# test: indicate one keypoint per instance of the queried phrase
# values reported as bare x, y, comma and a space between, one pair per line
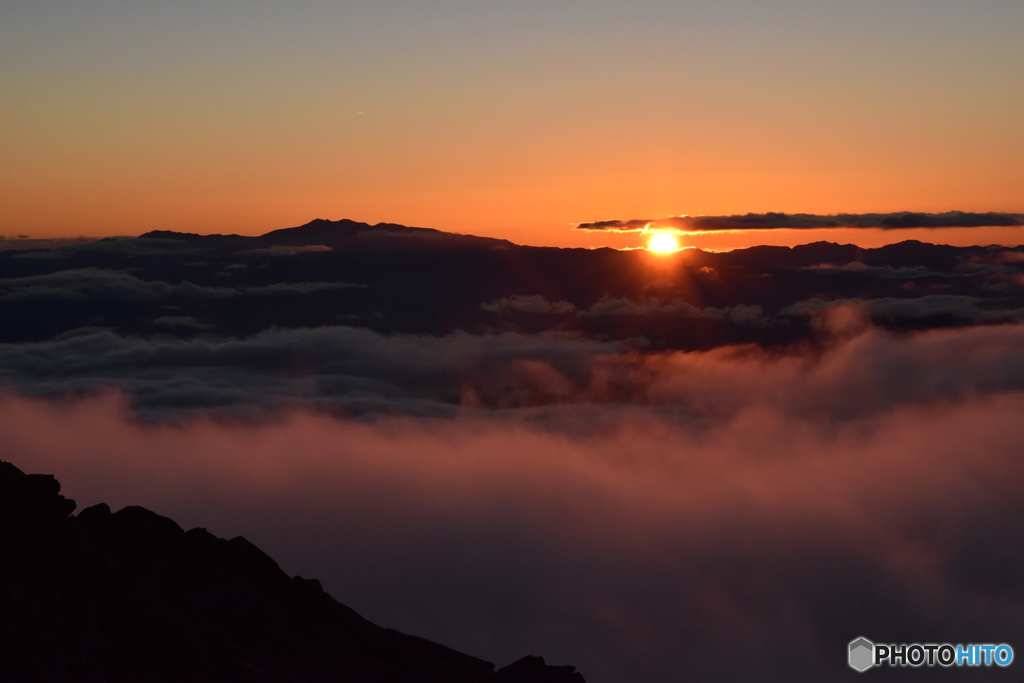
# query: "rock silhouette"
130, 596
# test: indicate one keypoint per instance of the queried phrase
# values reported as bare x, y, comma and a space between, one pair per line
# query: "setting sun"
663, 242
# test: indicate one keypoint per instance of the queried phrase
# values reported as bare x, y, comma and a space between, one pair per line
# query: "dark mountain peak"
826, 252
342, 225
324, 230
129, 596
765, 255
915, 252
347, 232
187, 236
170, 235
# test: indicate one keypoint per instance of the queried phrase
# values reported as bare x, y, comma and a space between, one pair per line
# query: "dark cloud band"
772, 220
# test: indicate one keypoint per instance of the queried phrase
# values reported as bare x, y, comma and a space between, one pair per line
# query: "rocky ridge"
131, 596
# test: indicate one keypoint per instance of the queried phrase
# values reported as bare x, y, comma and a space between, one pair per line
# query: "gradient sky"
504, 119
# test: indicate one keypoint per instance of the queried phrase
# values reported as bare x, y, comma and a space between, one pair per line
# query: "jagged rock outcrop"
130, 596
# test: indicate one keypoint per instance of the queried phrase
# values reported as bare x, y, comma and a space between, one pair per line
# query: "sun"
663, 242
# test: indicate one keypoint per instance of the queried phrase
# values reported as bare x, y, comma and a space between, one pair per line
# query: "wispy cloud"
111, 285
771, 220
352, 371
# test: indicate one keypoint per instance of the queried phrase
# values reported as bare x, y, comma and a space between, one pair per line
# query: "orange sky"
452, 115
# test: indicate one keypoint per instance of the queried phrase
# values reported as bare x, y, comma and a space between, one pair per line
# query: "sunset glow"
248, 118
661, 340
663, 242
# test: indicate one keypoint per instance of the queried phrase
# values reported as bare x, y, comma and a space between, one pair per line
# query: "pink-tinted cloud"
872, 491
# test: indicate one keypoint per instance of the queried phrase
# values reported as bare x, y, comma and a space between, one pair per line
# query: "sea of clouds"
735, 514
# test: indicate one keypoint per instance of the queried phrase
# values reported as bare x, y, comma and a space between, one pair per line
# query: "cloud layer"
725, 515
102, 284
710, 466
771, 220
852, 370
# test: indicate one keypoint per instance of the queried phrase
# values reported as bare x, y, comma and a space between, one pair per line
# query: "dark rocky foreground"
130, 596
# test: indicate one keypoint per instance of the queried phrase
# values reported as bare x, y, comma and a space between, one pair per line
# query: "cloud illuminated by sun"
663, 242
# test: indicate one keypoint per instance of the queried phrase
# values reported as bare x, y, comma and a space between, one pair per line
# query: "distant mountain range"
183, 321
396, 279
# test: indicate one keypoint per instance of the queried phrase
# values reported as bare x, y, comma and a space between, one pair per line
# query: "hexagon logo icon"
862, 654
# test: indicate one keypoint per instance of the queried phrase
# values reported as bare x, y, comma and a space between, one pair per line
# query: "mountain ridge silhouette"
131, 596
